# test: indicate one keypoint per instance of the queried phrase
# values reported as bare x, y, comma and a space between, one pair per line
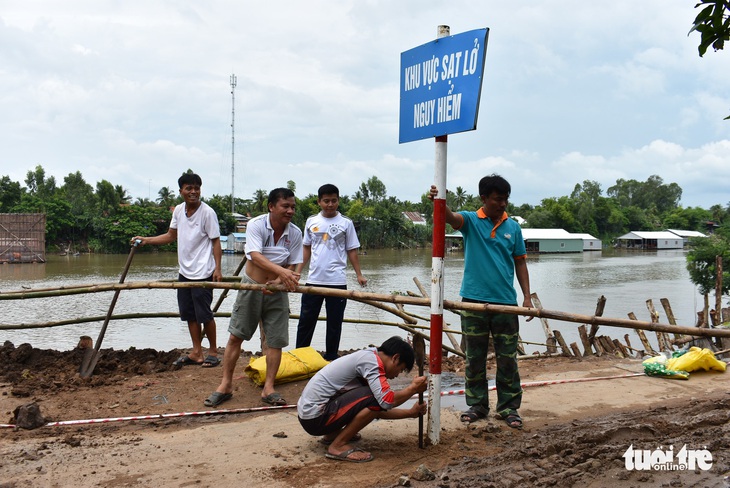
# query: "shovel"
91, 356
419, 347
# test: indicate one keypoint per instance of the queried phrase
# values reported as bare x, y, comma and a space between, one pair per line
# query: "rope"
261, 409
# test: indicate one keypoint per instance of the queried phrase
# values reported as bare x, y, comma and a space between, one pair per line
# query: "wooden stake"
563, 344
642, 337
550, 338
600, 306
587, 348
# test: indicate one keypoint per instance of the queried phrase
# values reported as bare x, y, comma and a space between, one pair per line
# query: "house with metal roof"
551, 241
415, 218
590, 243
686, 235
650, 240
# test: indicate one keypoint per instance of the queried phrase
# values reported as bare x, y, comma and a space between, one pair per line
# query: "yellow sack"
297, 364
696, 359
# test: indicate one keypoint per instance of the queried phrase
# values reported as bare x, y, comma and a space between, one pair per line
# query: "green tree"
713, 24
702, 264
107, 198
220, 205
371, 191
80, 197
58, 215
260, 199
10, 194
166, 197
123, 196
40, 186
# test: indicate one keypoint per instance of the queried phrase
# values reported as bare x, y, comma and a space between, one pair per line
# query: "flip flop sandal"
513, 420
186, 361
211, 362
216, 398
472, 415
274, 399
344, 456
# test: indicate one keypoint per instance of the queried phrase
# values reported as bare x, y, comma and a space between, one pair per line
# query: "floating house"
650, 240
590, 243
236, 242
686, 235
551, 241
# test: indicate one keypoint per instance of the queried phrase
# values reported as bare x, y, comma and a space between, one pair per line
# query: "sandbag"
696, 359
681, 363
298, 364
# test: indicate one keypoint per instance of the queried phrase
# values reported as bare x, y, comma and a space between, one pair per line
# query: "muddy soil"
576, 431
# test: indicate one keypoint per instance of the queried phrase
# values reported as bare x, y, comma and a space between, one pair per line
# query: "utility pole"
233, 142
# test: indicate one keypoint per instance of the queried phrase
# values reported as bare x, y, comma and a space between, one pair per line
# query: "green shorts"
253, 306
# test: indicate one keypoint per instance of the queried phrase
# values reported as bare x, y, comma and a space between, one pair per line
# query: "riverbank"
575, 432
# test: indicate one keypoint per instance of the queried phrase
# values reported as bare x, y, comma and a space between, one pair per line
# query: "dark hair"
397, 345
279, 194
328, 189
189, 179
494, 183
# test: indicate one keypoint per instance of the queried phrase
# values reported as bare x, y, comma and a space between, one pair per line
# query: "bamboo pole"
423, 302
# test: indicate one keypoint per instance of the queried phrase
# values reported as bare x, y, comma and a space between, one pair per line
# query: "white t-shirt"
194, 240
260, 238
330, 239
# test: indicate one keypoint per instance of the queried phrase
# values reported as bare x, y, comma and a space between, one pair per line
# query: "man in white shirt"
195, 227
273, 251
330, 240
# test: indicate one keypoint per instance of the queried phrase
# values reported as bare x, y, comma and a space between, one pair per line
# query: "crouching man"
352, 391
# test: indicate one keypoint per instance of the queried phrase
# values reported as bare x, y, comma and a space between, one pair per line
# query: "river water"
570, 283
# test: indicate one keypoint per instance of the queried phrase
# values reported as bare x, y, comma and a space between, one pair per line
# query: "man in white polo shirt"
273, 250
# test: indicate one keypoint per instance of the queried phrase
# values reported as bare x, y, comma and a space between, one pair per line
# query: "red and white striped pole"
437, 283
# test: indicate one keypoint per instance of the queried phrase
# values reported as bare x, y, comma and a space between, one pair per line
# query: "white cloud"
136, 93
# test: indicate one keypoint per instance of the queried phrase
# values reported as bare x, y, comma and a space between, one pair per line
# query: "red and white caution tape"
551, 382
160, 416
261, 409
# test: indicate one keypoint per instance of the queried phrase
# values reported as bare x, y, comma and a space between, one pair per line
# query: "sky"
136, 93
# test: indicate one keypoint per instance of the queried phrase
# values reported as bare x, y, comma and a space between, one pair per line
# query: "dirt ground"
576, 432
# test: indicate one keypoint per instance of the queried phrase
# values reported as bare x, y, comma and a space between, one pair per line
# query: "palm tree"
166, 197
460, 198
259, 200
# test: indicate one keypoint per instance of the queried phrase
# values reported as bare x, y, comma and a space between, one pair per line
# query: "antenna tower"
233, 141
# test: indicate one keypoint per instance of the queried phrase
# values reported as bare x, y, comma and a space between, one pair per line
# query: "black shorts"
194, 303
340, 411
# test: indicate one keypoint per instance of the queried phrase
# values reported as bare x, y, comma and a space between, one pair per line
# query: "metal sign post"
440, 90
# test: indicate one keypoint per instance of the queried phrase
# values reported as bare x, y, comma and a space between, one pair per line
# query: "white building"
590, 243
639, 239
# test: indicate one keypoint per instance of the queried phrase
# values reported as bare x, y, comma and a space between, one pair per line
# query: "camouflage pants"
504, 328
